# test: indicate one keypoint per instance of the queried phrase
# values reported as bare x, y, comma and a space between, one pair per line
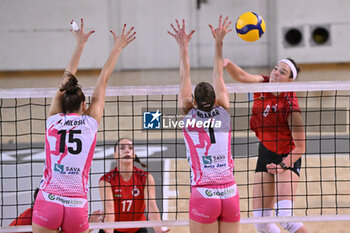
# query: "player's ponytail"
204, 95
73, 95
139, 161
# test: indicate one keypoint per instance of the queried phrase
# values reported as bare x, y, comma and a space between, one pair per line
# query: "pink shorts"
209, 204
53, 211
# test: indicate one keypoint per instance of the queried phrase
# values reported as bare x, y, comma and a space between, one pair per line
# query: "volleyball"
250, 26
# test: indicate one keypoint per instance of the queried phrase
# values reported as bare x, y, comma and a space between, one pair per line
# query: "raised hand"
80, 35
220, 32
124, 39
180, 35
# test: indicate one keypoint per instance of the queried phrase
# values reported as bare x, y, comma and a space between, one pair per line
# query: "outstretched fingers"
220, 19
90, 32
130, 30
212, 30
82, 24
172, 34
113, 32
225, 21
225, 26
123, 31
125, 38
131, 37
178, 25
172, 26
178, 32
190, 35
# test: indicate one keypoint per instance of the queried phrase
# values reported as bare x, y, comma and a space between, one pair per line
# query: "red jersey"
269, 119
129, 202
24, 219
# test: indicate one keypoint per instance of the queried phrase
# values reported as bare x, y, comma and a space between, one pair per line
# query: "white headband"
291, 66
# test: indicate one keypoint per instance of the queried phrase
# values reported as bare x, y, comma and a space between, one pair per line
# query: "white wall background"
34, 34
305, 14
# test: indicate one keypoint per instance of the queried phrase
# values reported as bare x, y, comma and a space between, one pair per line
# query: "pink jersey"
70, 143
208, 144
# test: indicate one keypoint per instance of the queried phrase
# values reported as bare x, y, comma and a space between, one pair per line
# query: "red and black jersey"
269, 119
24, 219
129, 202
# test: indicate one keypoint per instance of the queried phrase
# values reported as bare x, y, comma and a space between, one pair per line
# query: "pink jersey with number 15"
69, 145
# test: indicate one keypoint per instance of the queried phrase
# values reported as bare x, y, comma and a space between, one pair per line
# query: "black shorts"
141, 230
266, 157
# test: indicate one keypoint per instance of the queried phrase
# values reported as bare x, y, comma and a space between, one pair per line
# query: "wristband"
284, 166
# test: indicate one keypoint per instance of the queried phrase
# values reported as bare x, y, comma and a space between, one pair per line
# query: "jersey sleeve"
107, 177
92, 123
51, 120
291, 104
266, 79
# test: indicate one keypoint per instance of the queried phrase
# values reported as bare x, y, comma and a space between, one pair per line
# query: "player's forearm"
73, 64
185, 79
218, 64
154, 216
100, 87
240, 75
109, 217
296, 154
110, 64
184, 63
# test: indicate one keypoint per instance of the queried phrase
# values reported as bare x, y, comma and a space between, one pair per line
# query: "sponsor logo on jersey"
218, 193
58, 168
66, 201
66, 169
51, 196
196, 212
214, 161
207, 160
219, 158
117, 191
135, 191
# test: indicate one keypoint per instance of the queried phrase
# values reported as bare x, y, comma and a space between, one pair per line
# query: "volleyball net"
149, 116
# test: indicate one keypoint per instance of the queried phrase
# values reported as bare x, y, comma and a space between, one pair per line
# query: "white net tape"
174, 89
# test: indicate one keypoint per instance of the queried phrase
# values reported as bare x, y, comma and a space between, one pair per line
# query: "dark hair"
36, 193
136, 159
73, 96
295, 65
204, 95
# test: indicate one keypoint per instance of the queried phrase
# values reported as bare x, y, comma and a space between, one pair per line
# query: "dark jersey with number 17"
129, 196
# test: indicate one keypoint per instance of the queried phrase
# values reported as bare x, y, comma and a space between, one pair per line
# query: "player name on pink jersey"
74, 122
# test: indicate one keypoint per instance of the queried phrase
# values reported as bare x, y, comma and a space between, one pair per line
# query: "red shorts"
209, 204
54, 211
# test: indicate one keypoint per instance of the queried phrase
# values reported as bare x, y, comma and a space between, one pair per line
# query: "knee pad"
265, 227
284, 208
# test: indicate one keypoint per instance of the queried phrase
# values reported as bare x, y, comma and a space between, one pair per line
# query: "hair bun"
71, 85
71, 90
